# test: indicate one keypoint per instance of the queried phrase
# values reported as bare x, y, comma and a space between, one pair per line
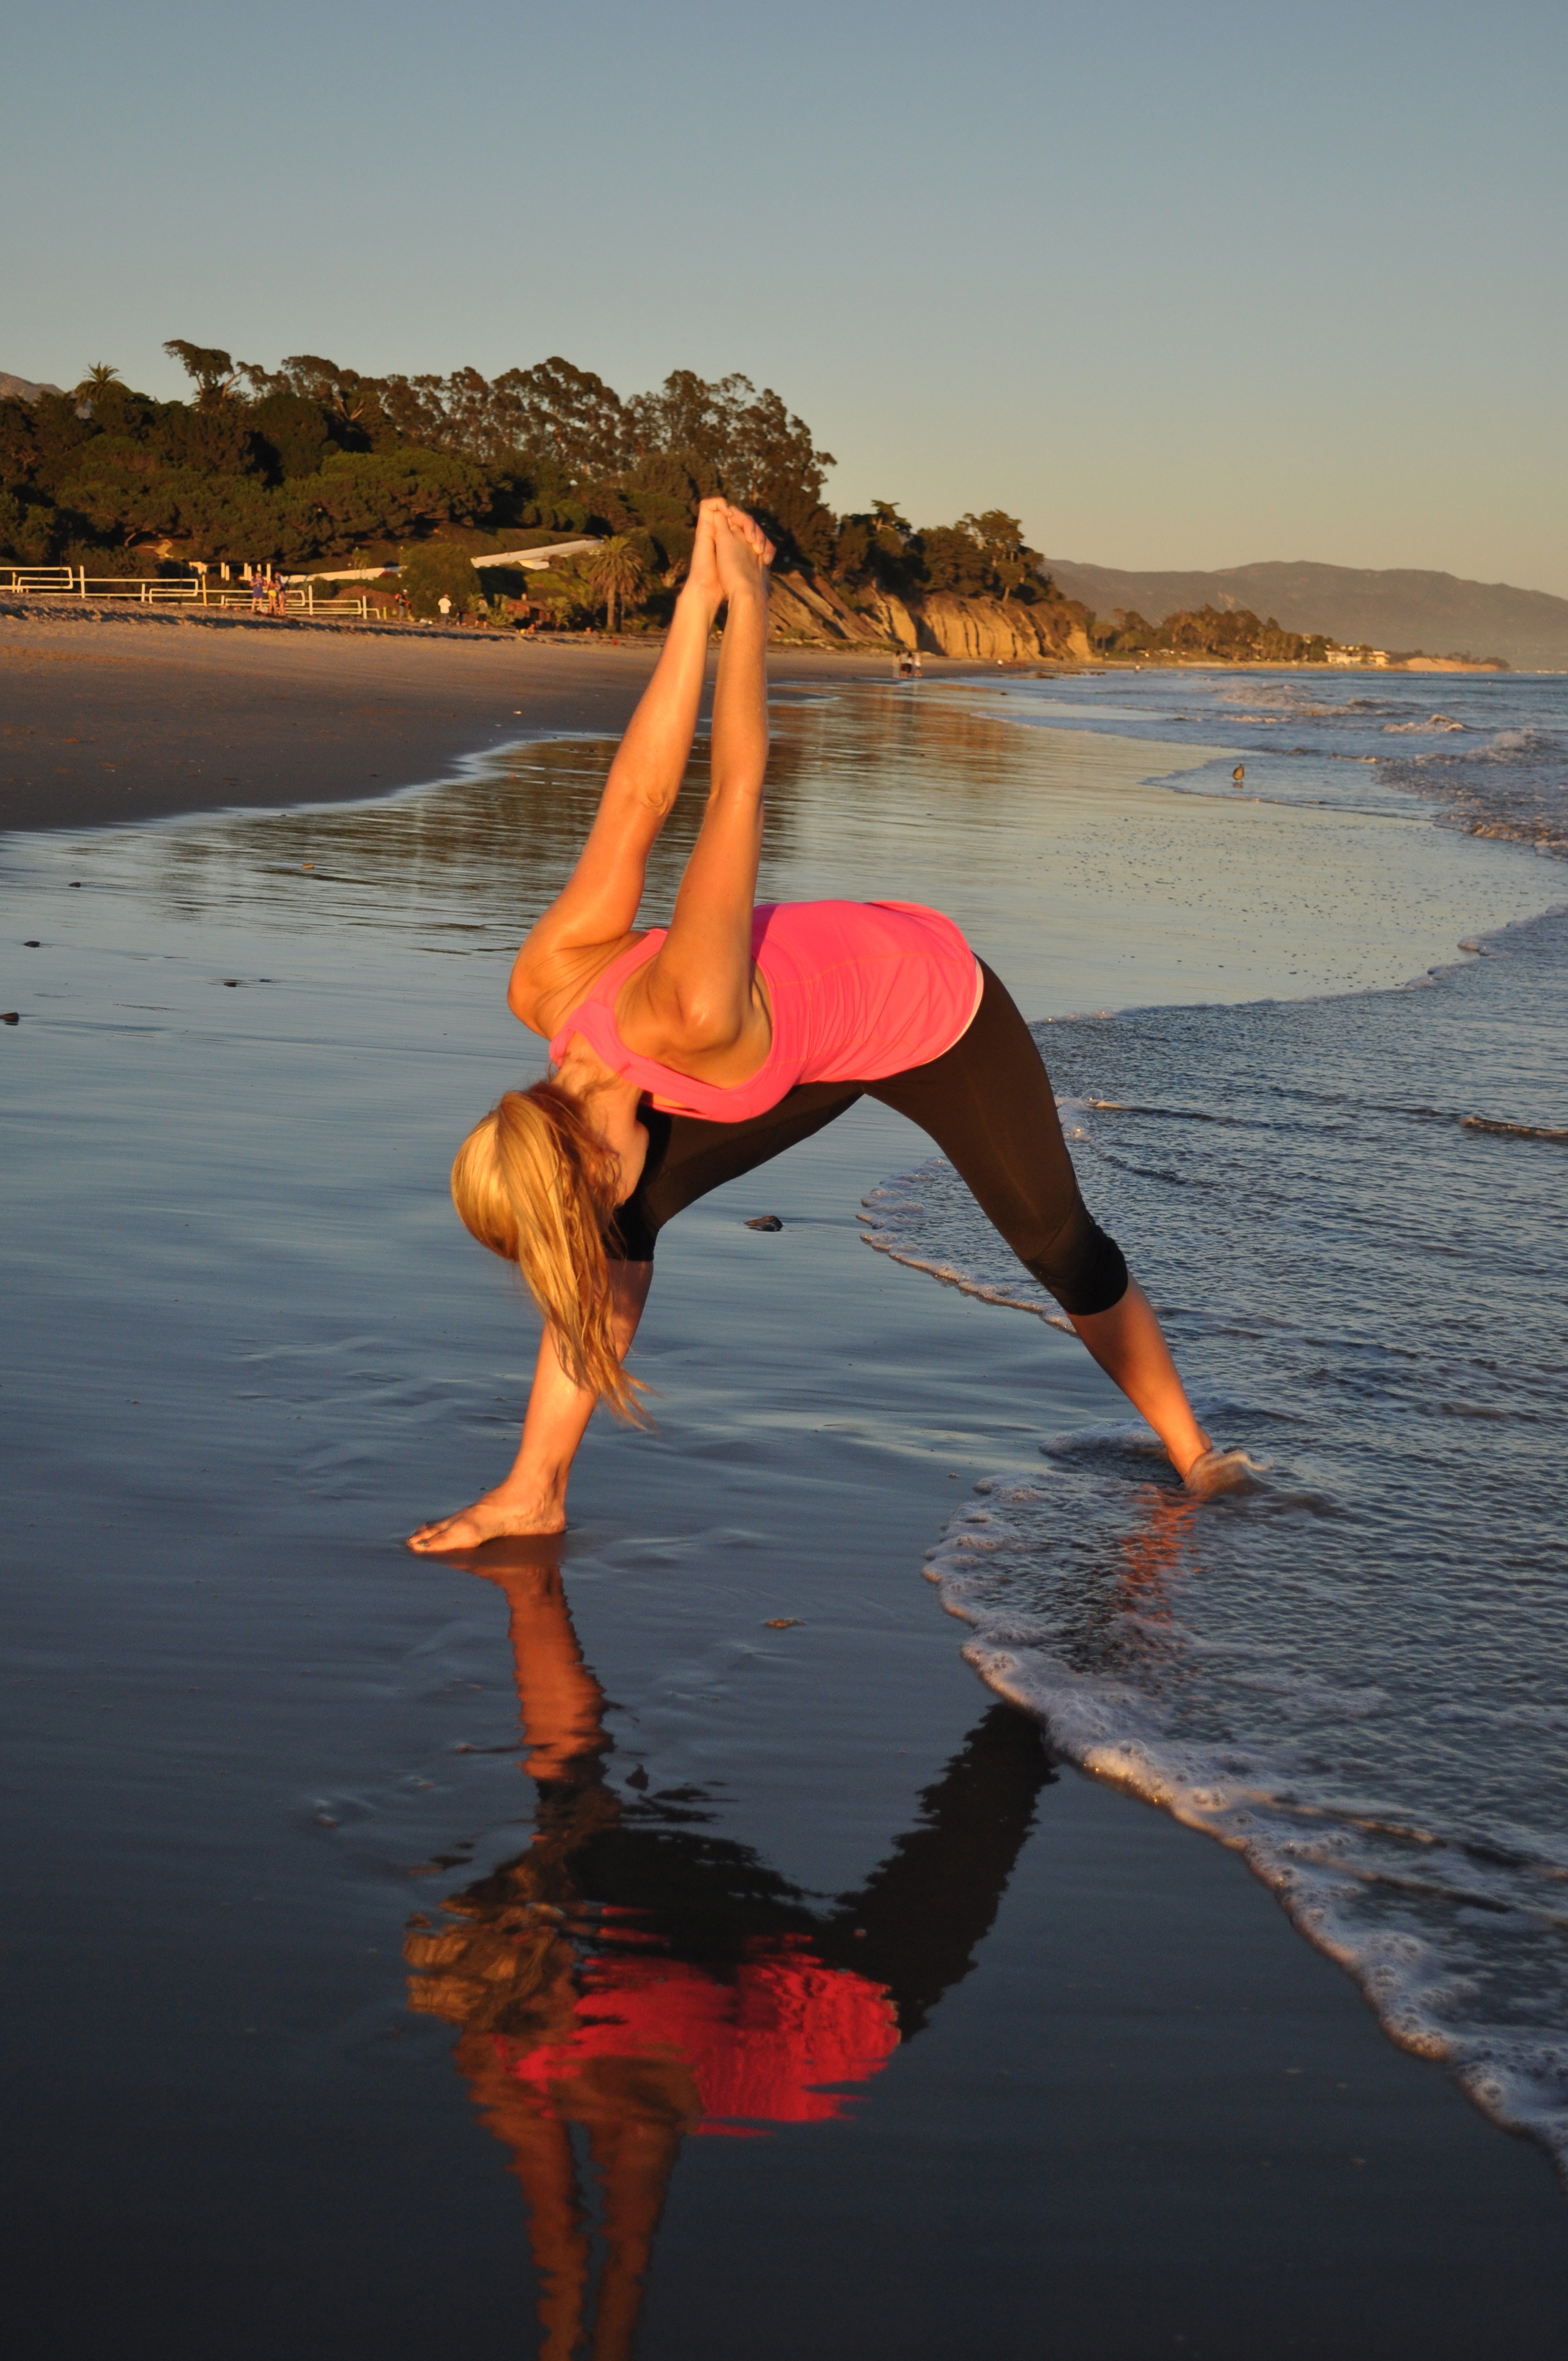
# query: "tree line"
311, 463
1221, 635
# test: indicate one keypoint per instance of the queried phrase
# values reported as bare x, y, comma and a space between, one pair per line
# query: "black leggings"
987, 1103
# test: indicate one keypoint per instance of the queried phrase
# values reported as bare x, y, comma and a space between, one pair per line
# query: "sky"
1181, 287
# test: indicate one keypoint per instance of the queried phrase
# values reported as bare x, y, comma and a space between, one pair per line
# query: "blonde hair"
535, 1184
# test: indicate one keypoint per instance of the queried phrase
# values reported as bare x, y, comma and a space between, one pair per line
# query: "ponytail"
535, 1184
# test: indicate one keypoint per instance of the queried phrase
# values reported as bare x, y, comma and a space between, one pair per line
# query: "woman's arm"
532, 1498
598, 903
698, 1001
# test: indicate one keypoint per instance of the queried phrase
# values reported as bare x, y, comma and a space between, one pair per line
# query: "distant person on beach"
444, 605
688, 1055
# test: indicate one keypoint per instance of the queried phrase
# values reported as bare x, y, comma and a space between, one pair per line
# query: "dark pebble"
765, 1221
33, 946
11, 1017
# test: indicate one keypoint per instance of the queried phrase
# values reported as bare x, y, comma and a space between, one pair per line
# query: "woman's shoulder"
548, 985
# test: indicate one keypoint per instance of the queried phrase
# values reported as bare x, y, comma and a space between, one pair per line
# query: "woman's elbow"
522, 995
699, 1025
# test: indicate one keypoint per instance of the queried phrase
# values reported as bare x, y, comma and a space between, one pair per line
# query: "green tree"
434, 569
1007, 554
212, 368
853, 545
99, 375
952, 559
28, 535
619, 574
553, 410
295, 435
387, 495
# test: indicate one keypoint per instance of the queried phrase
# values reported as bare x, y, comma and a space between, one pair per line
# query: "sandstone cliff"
810, 611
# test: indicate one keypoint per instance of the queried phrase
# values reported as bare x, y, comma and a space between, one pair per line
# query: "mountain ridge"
24, 389
1397, 608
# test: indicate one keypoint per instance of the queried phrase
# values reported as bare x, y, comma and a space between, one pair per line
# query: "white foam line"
1114, 1732
966, 1286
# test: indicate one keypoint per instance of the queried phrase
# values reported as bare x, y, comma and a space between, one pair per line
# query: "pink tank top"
858, 990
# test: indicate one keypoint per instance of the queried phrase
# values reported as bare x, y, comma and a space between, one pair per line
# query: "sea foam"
1349, 1212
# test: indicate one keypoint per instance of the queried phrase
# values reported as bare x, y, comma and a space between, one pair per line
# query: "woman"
686, 1057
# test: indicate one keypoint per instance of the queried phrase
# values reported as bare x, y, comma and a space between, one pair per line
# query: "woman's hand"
532, 1498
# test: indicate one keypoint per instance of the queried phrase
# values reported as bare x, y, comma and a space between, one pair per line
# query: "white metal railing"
74, 581
39, 578
301, 601
164, 589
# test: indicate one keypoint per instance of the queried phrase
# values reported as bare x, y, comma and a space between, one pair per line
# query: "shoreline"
121, 719
1150, 2102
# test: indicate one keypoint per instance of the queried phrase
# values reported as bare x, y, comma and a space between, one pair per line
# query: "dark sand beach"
1117, 2105
133, 716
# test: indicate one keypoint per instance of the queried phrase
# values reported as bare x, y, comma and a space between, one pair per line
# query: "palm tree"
97, 378
619, 574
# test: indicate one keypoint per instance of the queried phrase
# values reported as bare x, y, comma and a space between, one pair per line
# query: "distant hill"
22, 389
1399, 608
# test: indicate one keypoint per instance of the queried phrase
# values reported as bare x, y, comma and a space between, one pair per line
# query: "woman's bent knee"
1083, 1266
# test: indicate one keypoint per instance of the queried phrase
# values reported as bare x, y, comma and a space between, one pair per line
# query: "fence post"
81, 582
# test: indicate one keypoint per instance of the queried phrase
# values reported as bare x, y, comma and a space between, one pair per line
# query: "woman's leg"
1130, 1346
989, 1106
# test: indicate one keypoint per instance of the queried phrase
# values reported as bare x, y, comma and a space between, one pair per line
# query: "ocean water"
1351, 1211
1482, 751
266, 1816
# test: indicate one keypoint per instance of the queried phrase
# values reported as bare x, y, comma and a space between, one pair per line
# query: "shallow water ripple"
1352, 1213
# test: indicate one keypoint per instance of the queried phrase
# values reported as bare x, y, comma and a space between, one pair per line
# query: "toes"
749, 530
426, 1536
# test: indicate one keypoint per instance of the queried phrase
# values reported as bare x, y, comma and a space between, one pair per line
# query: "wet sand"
249, 1735
133, 716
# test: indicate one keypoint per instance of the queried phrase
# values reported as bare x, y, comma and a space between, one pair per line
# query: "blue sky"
1182, 286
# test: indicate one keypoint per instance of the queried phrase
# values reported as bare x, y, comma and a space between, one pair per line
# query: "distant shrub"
433, 568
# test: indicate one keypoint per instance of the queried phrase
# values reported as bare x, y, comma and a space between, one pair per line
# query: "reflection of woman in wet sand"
686, 1056
636, 1978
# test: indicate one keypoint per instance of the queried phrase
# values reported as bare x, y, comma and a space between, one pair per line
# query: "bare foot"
486, 1520
1215, 1471
702, 568
743, 552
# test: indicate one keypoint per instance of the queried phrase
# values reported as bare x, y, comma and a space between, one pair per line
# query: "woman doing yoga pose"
686, 1056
